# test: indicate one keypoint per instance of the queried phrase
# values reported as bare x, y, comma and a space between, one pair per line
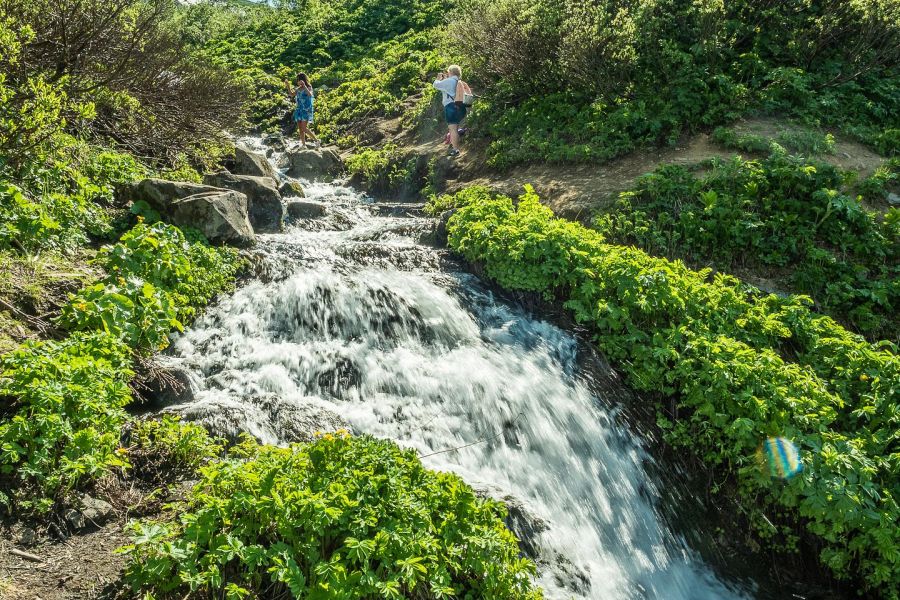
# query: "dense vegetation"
572, 80
739, 366
342, 517
785, 214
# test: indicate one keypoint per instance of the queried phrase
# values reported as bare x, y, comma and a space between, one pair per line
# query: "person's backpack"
462, 96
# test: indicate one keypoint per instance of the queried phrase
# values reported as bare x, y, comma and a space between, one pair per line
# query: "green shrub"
64, 414
383, 168
781, 212
740, 368
156, 281
160, 450
748, 142
342, 517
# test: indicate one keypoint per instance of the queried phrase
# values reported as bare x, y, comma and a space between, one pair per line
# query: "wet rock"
96, 511
264, 206
440, 230
893, 199
528, 527
292, 189
524, 524
274, 141
343, 375
248, 162
219, 213
323, 164
306, 209
268, 418
168, 385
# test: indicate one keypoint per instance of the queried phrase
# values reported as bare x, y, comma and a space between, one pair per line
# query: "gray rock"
74, 518
274, 141
95, 510
324, 164
292, 189
28, 537
264, 206
893, 199
168, 385
221, 216
248, 162
159, 193
306, 209
266, 417
524, 524
219, 213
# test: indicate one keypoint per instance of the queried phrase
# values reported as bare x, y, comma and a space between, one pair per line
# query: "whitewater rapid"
352, 321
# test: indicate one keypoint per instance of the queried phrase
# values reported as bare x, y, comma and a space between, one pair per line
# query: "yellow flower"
140, 219
863, 377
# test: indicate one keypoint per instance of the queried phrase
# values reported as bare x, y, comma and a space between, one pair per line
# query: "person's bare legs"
301, 128
312, 136
454, 135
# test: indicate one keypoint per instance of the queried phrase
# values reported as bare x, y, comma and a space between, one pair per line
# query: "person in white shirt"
452, 87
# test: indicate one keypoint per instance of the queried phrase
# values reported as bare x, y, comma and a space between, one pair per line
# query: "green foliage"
160, 450
586, 81
156, 280
782, 213
360, 69
63, 415
383, 168
740, 367
342, 517
877, 185
747, 142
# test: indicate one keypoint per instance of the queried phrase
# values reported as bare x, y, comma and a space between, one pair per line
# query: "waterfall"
353, 322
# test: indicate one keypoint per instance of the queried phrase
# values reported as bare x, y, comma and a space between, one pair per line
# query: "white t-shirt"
447, 87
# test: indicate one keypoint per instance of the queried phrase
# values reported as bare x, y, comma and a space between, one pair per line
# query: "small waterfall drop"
353, 321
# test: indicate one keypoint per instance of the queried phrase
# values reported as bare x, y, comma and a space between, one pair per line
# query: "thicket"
783, 213
117, 70
342, 517
571, 80
738, 366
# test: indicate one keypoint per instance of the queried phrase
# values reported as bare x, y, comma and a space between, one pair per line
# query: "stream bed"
352, 322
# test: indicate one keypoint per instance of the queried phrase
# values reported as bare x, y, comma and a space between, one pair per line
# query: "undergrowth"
739, 366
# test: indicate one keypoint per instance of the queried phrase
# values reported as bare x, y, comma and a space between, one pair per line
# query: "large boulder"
264, 204
307, 163
248, 162
306, 209
220, 214
292, 189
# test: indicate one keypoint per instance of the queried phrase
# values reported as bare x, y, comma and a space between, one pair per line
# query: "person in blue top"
303, 113
452, 87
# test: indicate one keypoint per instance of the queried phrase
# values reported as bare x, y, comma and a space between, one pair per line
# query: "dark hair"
303, 77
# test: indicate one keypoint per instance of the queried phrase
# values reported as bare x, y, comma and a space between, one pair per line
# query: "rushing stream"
352, 320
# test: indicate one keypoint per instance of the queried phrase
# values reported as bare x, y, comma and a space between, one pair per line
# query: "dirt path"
577, 191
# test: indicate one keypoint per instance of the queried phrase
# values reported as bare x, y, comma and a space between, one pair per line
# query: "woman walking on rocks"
303, 113
453, 91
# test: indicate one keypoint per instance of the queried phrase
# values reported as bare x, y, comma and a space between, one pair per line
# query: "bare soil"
84, 567
576, 191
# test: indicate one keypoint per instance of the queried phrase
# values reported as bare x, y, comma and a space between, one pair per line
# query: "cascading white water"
353, 320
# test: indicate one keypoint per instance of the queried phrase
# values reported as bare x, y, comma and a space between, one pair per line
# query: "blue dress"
304, 110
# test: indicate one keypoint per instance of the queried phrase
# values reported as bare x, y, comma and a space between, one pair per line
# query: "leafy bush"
781, 212
748, 142
342, 517
160, 450
740, 367
64, 414
156, 281
586, 81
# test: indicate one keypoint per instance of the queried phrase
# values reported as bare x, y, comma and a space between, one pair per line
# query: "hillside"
224, 361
